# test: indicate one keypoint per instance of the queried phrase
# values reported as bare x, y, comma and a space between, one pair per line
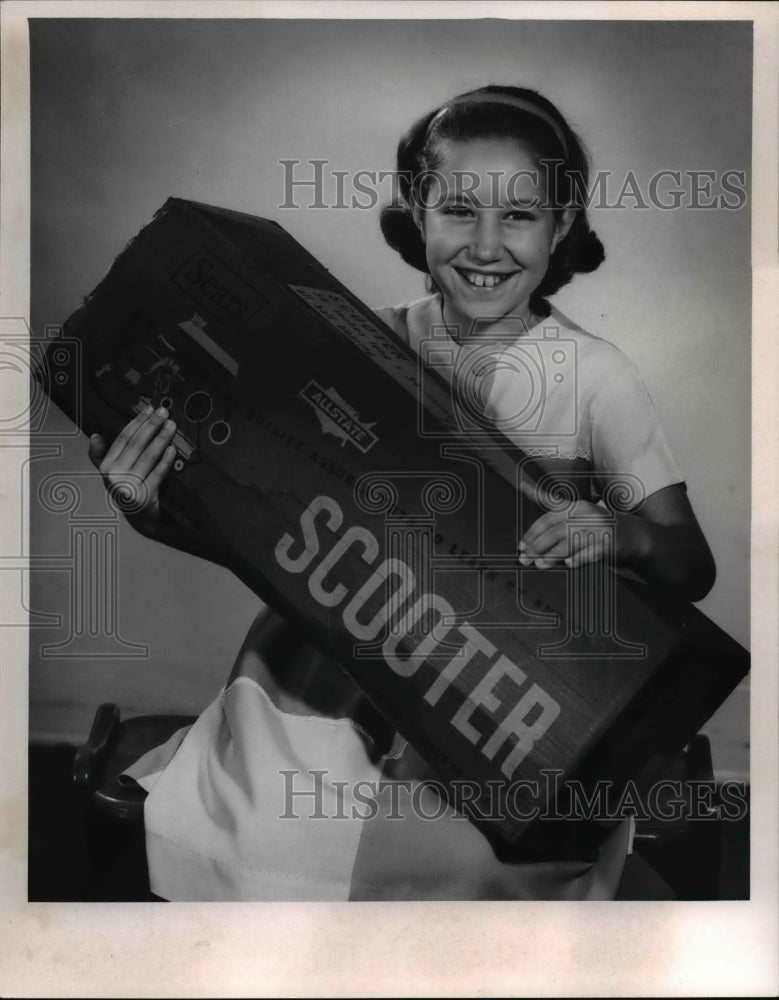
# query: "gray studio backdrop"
128, 112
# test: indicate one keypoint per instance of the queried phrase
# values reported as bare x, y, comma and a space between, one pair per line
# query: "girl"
290, 786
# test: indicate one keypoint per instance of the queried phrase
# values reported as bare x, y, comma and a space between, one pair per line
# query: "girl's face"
488, 236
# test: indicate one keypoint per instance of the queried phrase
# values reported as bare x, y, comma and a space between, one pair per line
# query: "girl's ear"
563, 226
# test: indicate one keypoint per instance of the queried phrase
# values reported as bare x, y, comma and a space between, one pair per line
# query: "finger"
132, 439
555, 548
554, 538
96, 449
556, 553
160, 470
543, 558
538, 527
547, 563
589, 554
124, 436
574, 542
150, 455
553, 533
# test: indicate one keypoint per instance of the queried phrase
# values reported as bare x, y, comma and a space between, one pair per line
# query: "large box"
355, 495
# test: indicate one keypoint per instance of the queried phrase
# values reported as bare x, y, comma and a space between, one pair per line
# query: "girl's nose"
487, 244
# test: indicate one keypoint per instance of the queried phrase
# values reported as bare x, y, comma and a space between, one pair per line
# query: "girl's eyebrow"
469, 198
460, 197
523, 202
484, 200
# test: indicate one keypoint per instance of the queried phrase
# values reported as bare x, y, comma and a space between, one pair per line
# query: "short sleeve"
627, 439
396, 319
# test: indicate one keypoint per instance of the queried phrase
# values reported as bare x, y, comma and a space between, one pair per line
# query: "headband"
481, 97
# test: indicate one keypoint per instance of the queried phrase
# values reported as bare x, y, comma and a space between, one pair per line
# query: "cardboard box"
351, 494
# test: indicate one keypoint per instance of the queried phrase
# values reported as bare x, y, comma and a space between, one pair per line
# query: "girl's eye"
458, 211
520, 215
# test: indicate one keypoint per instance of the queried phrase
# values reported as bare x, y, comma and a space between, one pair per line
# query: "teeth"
484, 280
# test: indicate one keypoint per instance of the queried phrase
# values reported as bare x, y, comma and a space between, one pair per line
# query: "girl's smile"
488, 236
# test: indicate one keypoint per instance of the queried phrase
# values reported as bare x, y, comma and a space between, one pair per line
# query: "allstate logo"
337, 417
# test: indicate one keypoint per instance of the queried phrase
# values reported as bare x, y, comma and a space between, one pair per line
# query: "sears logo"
337, 417
218, 289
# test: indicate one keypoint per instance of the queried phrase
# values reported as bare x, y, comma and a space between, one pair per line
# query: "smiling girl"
290, 786
494, 187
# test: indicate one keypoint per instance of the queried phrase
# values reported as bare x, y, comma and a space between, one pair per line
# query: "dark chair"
113, 802
686, 850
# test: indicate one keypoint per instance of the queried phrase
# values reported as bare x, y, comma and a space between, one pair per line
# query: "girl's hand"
546, 542
661, 541
136, 463
133, 469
